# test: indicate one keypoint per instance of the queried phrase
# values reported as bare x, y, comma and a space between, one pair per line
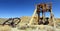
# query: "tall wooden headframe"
42, 8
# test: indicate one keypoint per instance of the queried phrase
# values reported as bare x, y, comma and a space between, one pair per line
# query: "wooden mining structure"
42, 8
37, 20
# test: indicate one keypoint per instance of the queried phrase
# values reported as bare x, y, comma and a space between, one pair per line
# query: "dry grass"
23, 27
30, 28
5, 28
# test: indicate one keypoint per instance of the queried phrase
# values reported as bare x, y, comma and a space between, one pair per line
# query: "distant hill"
2, 20
57, 20
24, 19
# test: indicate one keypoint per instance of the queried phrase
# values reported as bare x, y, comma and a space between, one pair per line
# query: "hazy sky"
18, 8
